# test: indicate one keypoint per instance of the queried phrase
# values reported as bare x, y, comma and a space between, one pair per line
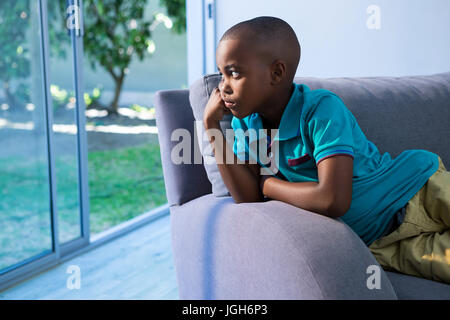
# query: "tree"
14, 51
20, 48
177, 10
117, 30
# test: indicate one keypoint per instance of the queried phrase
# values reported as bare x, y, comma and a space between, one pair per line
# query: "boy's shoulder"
312, 101
314, 96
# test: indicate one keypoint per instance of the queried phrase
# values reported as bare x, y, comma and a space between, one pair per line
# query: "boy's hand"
215, 108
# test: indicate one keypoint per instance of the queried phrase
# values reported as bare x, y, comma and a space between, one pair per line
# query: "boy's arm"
242, 180
331, 196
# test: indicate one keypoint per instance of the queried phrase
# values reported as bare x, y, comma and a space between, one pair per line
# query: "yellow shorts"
420, 246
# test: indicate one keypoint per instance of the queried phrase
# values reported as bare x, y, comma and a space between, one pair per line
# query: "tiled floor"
138, 265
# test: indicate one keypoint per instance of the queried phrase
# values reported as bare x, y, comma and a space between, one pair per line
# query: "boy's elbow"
238, 200
337, 206
244, 201
337, 211
247, 197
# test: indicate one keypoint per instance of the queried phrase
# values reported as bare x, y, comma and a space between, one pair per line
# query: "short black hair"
269, 31
267, 27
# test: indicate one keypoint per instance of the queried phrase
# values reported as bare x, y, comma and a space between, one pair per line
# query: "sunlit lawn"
123, 183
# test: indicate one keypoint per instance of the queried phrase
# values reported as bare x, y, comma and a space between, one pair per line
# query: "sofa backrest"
395, 113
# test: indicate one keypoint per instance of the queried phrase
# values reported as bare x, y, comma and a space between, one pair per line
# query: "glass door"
43, 212
65, 38
25, 189
62, 38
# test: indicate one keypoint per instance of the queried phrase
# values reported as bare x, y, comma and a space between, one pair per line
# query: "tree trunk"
10, 99
114, 106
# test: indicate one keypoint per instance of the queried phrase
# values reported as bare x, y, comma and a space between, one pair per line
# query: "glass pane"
128, 57
25, 220
62, 90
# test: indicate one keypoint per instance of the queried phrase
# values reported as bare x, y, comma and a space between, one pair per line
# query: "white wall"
413, 35
194, 31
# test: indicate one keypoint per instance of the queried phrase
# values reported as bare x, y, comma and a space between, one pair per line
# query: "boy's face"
245, 84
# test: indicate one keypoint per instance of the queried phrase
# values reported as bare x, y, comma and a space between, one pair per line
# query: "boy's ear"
278, 71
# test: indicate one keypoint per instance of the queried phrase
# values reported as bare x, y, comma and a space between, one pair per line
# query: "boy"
399, 207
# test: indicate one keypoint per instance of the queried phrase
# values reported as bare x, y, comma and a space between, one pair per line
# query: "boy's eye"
235, 74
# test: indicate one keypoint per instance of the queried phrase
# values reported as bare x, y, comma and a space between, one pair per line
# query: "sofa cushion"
395, 113
199, 93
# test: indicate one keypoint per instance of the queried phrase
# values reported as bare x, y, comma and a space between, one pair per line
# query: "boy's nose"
225, 88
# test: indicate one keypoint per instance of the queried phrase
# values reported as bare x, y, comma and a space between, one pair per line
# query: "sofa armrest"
268, 250
185, 181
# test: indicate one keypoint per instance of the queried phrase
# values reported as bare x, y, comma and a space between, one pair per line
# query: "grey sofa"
272, 250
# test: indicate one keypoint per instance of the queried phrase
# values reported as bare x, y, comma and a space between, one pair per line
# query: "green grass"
123, 183
24, 210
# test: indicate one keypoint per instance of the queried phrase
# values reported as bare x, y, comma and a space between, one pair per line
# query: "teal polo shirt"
316, 125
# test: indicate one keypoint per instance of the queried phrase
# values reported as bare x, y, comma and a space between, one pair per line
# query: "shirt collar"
290, 120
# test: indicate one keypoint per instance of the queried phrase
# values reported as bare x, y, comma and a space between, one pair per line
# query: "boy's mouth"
230, 104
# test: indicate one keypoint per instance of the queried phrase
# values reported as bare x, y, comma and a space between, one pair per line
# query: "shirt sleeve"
240, 145
330, 128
